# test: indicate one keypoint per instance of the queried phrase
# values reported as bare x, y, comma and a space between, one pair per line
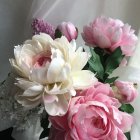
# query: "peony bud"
68, 30
125, 91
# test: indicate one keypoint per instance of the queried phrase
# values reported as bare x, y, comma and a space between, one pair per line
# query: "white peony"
51, 71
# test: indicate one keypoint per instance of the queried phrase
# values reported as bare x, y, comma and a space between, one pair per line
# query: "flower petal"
39, 74
54, 70
79, 60
24, 84
59, 107
33, 91
83, 79
43, 38
17, 68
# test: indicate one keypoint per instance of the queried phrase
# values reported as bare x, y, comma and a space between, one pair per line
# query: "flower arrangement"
74, 87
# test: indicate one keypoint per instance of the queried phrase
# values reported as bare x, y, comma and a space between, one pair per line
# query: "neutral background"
16, 16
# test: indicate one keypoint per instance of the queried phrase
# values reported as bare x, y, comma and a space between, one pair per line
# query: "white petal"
44, 39
17, 51
26, 103
28, 50
72, 92
34, 99
63, 45
73, 45
50, 98
24, 57
53, 88
83, 79
59, 107
39, 74
31, 97
37, 47
64, 74
33, 91
56, 53
79, 60
24, 84
59, 88
54, 70
17, 68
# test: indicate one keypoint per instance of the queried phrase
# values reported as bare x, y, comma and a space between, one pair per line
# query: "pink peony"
109, 34
68, 30
126, 91
92, 116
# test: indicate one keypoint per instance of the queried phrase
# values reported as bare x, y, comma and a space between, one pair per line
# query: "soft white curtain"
81, 12
16, 17
13, 15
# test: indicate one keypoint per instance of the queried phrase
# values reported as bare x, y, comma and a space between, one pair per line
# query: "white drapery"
16, 17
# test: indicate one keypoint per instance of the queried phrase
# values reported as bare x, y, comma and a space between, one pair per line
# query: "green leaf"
113, 61
44, 124
100, 52
127, 108
96, 65
127, 134
58, 33
111, 80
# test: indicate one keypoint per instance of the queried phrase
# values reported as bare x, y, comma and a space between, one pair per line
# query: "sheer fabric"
16, 17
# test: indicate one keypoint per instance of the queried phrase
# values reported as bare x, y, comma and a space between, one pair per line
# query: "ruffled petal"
32, 91
79, 60
125, 126
44, 39
17, 68
55, 70
31, 97
24, 84
39, 74
59, 106
83, 79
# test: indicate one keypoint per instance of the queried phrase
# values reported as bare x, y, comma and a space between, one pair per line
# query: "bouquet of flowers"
72, 88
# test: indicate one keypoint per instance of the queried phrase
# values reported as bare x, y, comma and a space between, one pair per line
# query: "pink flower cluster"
94, 114
108, 33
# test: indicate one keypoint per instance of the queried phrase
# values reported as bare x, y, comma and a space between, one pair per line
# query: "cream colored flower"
51, 71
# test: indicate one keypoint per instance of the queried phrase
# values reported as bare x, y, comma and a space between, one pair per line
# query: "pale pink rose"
109, 34
126, 91
68, 30
93, 115
60, 131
